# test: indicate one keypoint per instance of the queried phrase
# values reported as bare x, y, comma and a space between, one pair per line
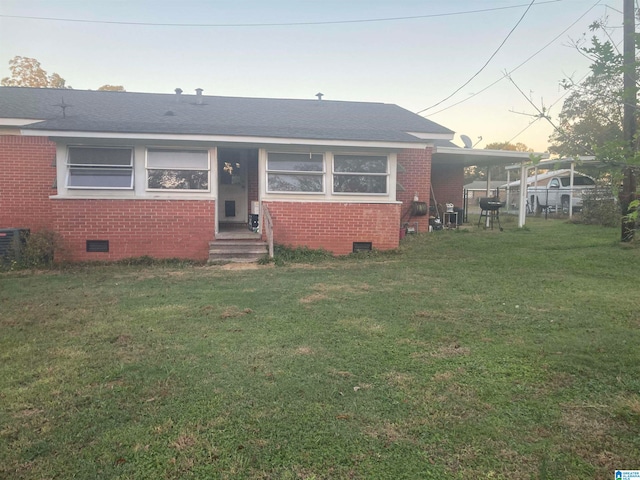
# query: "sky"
413, 53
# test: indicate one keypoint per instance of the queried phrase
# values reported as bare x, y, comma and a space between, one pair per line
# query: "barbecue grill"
490, 210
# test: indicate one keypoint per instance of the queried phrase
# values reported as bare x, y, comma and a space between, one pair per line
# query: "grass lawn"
464, 355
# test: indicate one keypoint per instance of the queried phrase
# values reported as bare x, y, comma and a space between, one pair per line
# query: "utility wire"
531, 123
538, 117
277, 24
520, 65
485, 64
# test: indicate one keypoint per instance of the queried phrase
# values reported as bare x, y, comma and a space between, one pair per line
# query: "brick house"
121, 174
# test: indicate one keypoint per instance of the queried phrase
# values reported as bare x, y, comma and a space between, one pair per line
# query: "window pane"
359, 164
295, 183
183, 159
577, 181
178, 179
99, 156
294, 162
360, 183
100, 177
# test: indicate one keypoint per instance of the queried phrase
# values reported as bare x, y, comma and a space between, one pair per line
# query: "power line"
485, 64
520, 65
523, 130
277, 24
548, 110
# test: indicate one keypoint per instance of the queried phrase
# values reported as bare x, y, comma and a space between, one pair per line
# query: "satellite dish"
467, 141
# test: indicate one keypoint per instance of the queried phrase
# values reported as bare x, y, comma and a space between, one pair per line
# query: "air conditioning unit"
12, 241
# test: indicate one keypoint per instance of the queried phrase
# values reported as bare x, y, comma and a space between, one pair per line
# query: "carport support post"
487, 221
522, 213
573, 164
508, 191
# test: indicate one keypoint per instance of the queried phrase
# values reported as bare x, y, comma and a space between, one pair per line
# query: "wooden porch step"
236, 250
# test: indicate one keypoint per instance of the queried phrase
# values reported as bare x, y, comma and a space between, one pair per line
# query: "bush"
37, 250
284, 255
599, 207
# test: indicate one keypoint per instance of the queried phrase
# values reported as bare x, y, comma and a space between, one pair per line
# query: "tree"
517, 147
497, 172
112, 88
591, 116
599, 117
27, 72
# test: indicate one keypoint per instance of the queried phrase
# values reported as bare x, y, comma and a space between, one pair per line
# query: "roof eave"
481, 157
226, 139
17, 122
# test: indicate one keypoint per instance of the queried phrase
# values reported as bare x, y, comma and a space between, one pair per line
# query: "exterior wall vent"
362, 247
12, 241
97, 246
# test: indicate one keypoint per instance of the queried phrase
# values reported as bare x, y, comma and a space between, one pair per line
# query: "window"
169, 169
578, 181
100, 167
295, 173
360, 174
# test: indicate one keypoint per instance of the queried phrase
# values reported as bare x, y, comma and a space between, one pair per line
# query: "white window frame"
147, 168
97, 167
386, 174
322, 174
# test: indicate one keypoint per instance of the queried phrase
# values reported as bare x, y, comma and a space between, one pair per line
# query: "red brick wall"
158, 228
415, 178
448, 184
335, 226
27, 175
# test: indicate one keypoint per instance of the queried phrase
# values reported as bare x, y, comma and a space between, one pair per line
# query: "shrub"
284, 255
36, 250
599, 207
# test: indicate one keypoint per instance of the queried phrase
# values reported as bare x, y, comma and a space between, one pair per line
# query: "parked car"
558, 193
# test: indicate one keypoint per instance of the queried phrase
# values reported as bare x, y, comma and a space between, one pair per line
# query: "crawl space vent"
94, 246
361, 247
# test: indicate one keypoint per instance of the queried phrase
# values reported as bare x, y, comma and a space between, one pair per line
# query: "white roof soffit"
477, 156
226, 138
556, 163
17, 122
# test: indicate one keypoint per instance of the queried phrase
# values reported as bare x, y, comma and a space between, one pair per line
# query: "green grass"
464, 355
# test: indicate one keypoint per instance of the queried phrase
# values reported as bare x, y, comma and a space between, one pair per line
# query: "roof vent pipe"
319, 95
199, 96
178, 93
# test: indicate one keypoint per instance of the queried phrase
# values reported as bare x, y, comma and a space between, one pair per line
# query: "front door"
233, 198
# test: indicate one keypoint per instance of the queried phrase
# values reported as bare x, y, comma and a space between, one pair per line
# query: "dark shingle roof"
127, 112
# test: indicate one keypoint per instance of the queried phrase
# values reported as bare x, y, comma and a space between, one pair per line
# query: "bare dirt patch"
389, 432
322, 291
244, 266
304, 351
28, 412
183, 442
233, 311
399, 379
314, 297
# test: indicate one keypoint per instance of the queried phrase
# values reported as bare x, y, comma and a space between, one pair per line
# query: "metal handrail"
268, 224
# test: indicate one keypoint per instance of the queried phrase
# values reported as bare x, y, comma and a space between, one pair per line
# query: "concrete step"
248, 251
